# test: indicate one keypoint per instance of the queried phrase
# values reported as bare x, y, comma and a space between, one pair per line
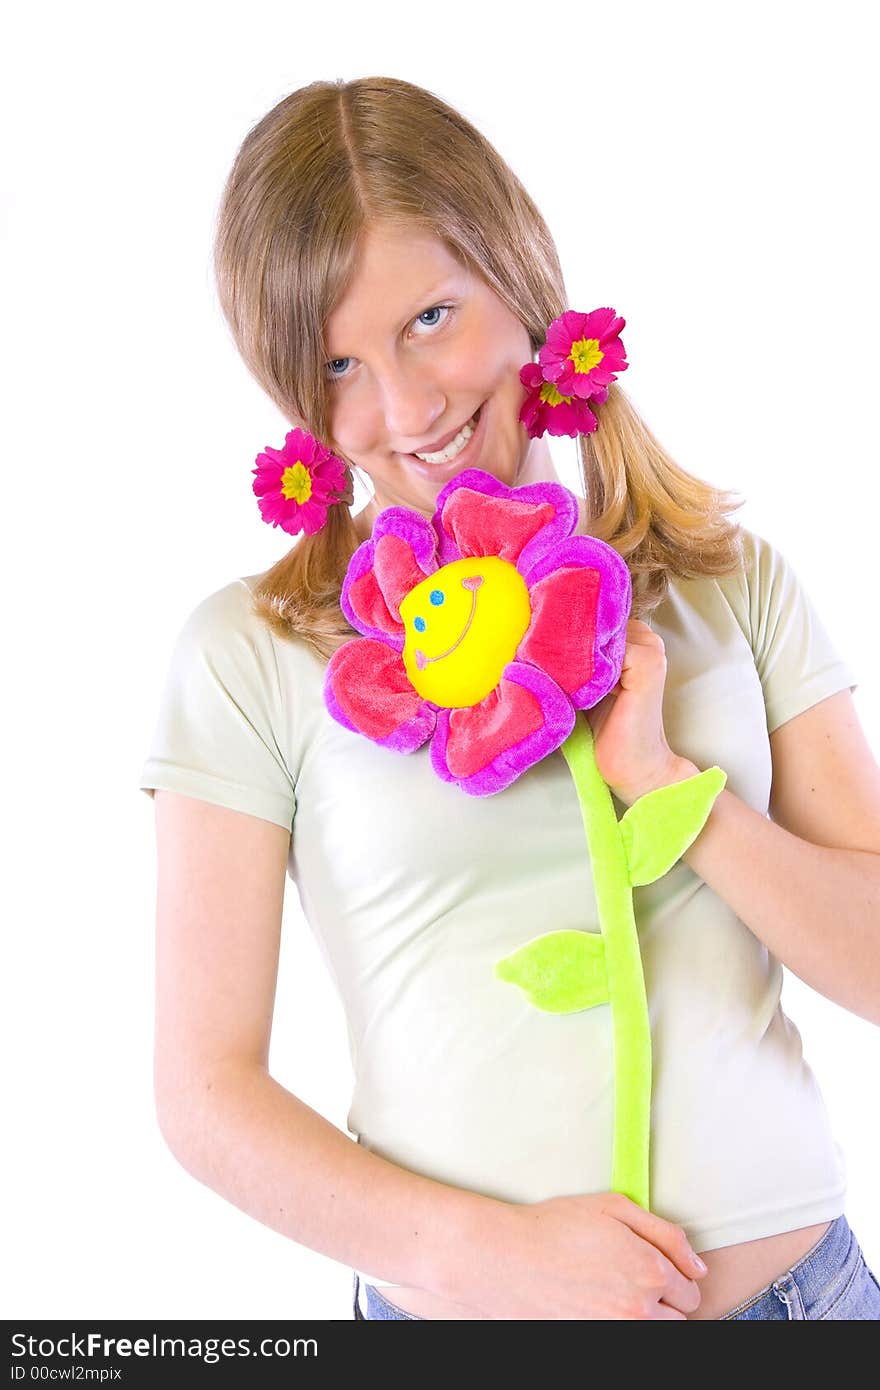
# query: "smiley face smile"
472, 642
473, 583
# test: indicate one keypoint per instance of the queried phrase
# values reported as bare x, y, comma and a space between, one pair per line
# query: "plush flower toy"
486, 632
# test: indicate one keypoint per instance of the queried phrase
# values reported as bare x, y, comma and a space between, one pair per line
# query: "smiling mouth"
472, 582
474, 421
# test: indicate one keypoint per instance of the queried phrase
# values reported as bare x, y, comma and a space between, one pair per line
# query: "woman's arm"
221, 878
807, 882
228, 1122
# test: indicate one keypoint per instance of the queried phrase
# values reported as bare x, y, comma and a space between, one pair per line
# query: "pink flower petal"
401, 552
487, 746
329, 475
601, 323
572, 417
312, 514
366, 689
562, 634
367, 602
479, 734
397, 570
607, 622
483, 525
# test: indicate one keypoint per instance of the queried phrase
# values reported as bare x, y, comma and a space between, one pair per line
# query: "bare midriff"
736, 1274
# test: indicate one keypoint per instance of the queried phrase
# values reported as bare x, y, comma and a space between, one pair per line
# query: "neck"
537, 468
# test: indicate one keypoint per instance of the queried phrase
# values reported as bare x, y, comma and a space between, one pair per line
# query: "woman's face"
417, 345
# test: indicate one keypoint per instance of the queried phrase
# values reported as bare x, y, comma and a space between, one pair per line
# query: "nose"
410, 405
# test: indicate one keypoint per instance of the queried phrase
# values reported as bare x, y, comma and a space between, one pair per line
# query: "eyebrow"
438, 290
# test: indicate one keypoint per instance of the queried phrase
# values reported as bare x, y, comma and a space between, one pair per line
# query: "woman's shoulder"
757, 550
226, 630
758, 560
231, 600
770, 601
226, 611
766, 572
222, 632
736, 596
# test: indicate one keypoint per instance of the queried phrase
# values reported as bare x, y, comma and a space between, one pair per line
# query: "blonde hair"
326, 162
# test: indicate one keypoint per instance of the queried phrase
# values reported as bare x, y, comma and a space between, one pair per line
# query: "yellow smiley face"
462, 626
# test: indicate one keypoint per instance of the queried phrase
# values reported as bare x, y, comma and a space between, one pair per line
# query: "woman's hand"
598, 1256
631, 751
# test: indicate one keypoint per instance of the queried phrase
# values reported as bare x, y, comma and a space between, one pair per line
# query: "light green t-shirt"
415, 889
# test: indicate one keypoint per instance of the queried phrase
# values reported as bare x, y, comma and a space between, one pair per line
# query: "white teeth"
452, 450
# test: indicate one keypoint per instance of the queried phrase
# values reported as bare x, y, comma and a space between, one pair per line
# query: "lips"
445, 439
439, 473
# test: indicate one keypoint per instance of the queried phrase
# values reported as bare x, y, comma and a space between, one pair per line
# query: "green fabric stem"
566, 971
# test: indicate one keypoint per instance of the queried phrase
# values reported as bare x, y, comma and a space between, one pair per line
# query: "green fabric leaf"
662, 824
560, 972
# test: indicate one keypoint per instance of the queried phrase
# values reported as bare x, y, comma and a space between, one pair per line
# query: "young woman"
385, 277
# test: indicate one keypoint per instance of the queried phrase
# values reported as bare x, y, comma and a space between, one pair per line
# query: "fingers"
681, 1292
667, 1237
639, 634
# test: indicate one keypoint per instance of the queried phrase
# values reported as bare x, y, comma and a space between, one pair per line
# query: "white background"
708, 170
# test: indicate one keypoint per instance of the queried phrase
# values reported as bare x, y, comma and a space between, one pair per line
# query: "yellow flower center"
586, 354
296, 482
551, 396
462, 626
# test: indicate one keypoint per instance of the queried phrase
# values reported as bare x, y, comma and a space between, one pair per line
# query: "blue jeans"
832, 1281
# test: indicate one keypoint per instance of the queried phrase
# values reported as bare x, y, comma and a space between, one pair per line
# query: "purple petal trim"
413, 528
420, 535
612, 613
559, 717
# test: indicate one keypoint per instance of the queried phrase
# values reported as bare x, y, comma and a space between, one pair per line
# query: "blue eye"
437, 308
419, 624
437, 597
446, 309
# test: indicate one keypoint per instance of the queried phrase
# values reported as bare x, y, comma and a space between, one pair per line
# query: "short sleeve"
796, 660
217, 735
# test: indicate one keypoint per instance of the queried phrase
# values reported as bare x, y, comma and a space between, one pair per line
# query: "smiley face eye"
437, 597
419, 624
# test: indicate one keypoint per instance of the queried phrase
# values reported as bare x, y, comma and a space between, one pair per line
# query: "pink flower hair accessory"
577, 363
297, 484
